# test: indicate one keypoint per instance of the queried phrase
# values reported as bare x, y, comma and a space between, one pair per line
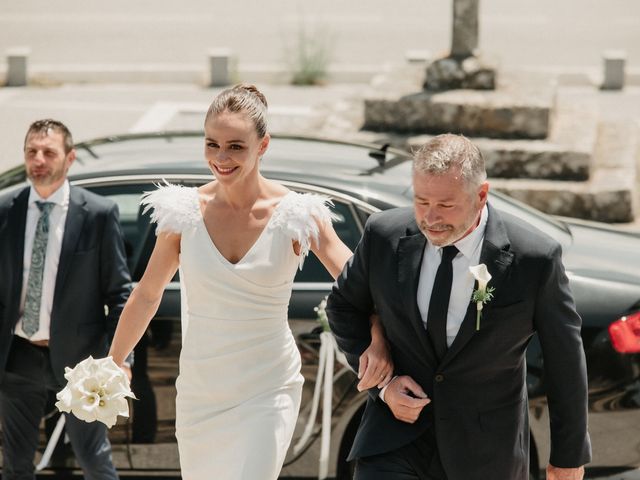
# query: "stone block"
17, 60
543, 162
610, 193
532, 159
459, 72
221, 67
614, 69
572, 199
160, 456
461, 111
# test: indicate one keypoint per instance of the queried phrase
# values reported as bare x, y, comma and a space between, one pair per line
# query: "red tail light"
625, 334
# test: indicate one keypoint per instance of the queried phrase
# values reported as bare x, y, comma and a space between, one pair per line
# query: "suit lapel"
410, 252
495, 253
496, 256
76, 216
16, 224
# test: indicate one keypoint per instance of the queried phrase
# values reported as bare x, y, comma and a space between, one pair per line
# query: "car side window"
139, 234
363, 215
348, 229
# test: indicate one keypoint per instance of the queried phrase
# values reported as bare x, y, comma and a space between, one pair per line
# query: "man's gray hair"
447, 151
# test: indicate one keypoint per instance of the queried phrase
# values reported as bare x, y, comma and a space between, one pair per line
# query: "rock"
451, 73
574, 200
462, 111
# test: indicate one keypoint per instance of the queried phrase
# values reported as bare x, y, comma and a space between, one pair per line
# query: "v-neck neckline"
255, 243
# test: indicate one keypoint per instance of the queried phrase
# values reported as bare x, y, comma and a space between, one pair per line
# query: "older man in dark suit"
64, 281
457, 408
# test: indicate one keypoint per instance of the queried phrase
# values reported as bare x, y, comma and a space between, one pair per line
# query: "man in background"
63, 283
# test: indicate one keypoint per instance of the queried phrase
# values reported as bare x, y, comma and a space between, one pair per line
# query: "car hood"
604, 253
603, 267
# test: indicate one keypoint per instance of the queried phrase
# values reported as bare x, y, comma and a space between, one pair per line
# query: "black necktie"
439, 303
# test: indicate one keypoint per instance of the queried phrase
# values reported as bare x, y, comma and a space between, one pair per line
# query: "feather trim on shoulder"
299, 214
175, 208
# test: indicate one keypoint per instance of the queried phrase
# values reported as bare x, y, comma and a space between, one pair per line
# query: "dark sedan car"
602, 265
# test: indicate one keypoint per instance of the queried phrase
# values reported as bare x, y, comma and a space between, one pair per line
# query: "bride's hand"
376, 364
127, 371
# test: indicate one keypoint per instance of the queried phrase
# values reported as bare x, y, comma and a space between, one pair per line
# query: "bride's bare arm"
330, 250
146, 296
376, 364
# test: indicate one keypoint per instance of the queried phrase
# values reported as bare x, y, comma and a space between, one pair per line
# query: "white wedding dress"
239, 385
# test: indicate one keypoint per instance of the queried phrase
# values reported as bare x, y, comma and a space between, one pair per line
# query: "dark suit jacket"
92, 283
478, 391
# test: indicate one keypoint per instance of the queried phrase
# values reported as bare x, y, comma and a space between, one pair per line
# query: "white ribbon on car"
329, 352
51, 445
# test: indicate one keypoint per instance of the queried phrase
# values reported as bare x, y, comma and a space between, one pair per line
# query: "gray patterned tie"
31, 318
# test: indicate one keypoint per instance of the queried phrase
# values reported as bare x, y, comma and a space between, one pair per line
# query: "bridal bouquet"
96, 390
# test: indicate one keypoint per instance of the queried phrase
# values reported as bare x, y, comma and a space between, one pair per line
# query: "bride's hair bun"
252, 89
242, 98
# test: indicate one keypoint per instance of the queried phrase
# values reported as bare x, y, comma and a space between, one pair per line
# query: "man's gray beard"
476, 219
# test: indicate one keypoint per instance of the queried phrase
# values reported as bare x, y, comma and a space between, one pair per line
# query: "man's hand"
556, 473
405, 398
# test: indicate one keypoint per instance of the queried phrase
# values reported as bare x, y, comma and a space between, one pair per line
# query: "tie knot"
449, 252
44, 207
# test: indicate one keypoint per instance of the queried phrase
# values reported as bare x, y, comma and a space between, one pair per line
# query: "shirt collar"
59, 197
471, 243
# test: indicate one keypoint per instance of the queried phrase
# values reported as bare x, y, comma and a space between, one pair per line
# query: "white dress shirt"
57, 219
463, 282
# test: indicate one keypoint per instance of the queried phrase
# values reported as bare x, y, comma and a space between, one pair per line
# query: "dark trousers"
24, 391
145, 411
419, 460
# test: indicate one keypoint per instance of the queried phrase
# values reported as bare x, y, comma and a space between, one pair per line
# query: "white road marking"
161, 114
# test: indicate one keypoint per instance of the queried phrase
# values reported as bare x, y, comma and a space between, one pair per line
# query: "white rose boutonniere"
482, 294
96, 390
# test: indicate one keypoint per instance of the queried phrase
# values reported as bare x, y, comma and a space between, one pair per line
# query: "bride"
238, 241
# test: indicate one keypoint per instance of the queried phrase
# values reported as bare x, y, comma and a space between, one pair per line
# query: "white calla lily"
97, 389
482, 294
481, 274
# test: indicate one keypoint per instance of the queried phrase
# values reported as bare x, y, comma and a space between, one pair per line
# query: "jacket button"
439, 378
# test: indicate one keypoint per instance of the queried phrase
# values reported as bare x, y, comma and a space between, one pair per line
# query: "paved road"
541, 34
